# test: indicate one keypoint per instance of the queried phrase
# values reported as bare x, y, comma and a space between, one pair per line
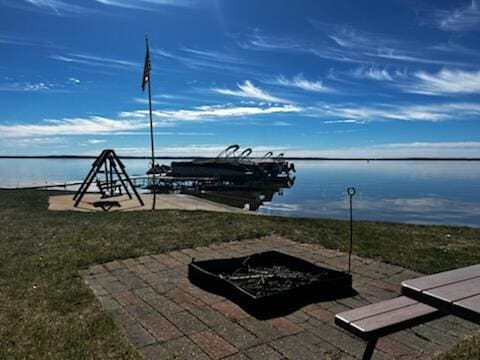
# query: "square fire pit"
270, 283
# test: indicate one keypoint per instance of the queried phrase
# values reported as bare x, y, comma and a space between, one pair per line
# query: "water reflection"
249, 196
433, 192
245, 194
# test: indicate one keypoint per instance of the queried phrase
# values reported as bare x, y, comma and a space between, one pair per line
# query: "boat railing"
229, 151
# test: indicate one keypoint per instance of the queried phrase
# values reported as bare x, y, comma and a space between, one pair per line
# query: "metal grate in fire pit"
270, 283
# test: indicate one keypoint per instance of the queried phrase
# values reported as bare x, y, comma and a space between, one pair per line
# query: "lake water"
423, 192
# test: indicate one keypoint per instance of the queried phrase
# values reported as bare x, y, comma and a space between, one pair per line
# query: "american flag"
146, 69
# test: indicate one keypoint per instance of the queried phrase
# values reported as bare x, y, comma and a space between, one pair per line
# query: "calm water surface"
425, 192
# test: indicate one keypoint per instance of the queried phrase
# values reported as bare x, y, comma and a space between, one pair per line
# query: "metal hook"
351, 191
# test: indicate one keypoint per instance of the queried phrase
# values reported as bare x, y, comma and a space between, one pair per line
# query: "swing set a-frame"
115, 182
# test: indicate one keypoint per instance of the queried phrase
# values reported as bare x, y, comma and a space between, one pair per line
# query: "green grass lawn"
46, 312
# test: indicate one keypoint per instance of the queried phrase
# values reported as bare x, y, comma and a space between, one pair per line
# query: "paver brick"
139, 310
390, 346
285, 326
181, 257
167, 261
137, 335
164, 305
186, 300
319, 313
262, 329
291, 348
237, 356
96, 269
161, 328
209, 316
154, 265
236, 335
230, 310
213, 344
186, 322
263, 352
97, 289
113, 287
146, 293
114, 265
127, 298
155, 352
108, 302
184, 348
139, 269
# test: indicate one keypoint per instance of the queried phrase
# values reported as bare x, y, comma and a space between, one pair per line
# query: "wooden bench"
373, 321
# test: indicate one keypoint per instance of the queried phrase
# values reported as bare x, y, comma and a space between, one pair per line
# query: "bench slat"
468, 308
383, 322
441, 279
457, 291
383, 318
375, 309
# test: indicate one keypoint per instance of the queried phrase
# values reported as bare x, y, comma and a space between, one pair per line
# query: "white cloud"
29, 87
300, 82
211, 60
249, 91
70, 126
97, 61
36, 87
73, 80
346, 44
205, 113
445, 82
396, 150
96, 141
362, 113
136, 120
372, 73
461, 19
57, 7
33, 141
146, 4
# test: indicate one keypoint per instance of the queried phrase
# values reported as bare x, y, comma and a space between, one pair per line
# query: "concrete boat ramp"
163, 202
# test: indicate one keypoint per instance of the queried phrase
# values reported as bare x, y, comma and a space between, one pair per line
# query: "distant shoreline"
204, 157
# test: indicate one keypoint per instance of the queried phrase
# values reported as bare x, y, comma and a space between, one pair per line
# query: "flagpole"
151, 131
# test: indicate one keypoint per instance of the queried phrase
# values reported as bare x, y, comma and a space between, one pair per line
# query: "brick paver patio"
166, 317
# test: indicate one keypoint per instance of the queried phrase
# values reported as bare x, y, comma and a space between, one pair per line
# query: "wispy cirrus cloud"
300, 82
207, 59
372, 73
96, 141
210, 113
136, 120
445, 82
402, 112
348, 45
67, 8
147, 4
248, 90
55, 7
27, 86
9, 39
97, 61
459, 19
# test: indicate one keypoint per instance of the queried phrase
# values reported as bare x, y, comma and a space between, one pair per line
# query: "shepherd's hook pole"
351, 192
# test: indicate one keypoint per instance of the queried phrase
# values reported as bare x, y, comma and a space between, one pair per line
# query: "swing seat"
106, 205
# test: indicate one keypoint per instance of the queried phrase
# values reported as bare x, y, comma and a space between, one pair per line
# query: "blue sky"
311, 78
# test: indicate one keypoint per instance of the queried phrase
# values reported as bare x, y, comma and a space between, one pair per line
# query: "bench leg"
367, 355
